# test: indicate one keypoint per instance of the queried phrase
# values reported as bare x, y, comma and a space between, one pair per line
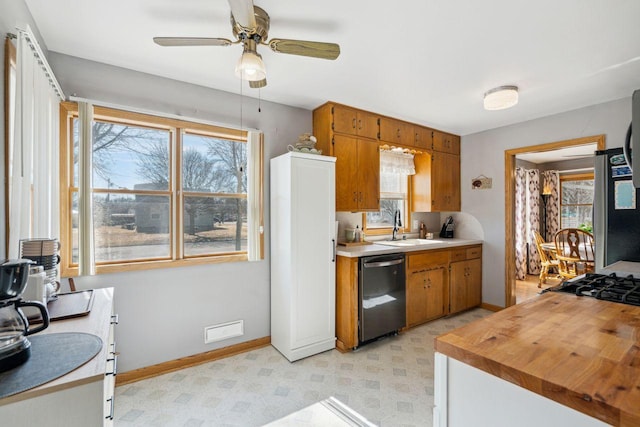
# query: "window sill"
155, 264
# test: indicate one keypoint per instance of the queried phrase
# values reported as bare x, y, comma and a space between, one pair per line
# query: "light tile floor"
389, 382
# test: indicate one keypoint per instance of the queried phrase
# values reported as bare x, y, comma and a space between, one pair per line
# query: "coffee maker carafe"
15, 348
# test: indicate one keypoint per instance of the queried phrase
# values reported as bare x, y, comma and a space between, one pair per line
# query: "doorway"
510, 165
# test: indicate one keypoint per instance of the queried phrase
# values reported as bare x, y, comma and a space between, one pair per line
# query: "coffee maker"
15, 348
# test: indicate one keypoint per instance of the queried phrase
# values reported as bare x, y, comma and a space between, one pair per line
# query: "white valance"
397, 161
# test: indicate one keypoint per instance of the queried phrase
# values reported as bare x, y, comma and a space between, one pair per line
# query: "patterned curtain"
533, 219
527, 211
521, 217
551, 180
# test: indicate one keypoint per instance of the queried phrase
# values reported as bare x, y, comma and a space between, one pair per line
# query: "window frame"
379, 231
573, 177
177, 127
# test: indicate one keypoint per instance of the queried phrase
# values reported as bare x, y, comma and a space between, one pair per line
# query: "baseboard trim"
186, 362
491, 307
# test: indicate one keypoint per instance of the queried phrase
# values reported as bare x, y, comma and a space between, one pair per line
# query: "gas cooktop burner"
624, 290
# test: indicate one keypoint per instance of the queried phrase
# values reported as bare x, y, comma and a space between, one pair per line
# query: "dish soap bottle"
423, 231
358, 234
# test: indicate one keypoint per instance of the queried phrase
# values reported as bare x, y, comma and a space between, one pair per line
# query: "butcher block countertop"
578, 351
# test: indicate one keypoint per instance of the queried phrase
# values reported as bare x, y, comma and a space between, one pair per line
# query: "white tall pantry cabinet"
303, 254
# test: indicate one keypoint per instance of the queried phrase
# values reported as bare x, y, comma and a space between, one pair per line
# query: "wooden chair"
547, 260
574, 252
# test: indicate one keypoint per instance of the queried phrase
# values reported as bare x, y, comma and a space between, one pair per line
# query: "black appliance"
381, 302
608, 287
15, 348
616, 210
447, 228
632, 145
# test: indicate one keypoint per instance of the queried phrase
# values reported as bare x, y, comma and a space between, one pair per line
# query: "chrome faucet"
397, 223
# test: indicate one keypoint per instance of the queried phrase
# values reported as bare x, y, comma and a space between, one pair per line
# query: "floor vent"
223, 331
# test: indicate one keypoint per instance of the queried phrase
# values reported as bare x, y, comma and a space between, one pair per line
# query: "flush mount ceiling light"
501, 97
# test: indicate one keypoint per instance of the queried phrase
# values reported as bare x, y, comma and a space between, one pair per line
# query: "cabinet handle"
333, 248
114, 319
355, 197
398, 133
111, 401
114, 359
360, 124
353, 123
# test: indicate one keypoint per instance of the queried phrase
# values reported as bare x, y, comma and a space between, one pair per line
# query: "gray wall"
483, 153
163, 312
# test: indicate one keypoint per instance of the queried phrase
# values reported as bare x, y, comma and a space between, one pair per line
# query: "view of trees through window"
140, 183
393, 196
576, 205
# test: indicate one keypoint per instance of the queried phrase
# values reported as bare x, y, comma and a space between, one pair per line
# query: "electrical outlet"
415, 224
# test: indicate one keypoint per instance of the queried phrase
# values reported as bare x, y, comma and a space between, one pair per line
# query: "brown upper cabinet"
357, 174
436, 184
354, 122
446, 143
354, 137
396, 132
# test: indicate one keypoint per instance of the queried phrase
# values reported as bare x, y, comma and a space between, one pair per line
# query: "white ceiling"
425, 61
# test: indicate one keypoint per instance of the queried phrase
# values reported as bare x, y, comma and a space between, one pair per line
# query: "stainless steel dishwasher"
381, 302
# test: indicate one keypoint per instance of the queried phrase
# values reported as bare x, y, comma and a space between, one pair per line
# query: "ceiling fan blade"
305, 48
243, 13
191, 41
258, 84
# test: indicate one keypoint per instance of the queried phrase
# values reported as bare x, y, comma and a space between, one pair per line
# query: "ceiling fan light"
250, 67
501, 97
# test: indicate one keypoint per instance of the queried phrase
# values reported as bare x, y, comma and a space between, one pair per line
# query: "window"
395, 168
576, 201
164, 192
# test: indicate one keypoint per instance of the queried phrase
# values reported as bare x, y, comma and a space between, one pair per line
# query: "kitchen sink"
407, 242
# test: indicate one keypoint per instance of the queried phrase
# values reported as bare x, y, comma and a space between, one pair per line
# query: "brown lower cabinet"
438, 283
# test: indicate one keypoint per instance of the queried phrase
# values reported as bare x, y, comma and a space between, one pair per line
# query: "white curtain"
86, 255
254, 194
396, 161
33, 151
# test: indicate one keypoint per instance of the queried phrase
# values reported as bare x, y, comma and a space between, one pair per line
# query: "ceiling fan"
250, 26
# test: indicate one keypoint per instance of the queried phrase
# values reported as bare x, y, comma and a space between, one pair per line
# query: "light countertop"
378, 249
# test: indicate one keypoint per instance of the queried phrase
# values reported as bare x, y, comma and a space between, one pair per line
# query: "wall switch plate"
415, 224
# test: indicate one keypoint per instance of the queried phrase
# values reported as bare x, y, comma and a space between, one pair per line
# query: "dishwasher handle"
382, 263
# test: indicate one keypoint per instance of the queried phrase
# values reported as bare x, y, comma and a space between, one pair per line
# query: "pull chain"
259, 100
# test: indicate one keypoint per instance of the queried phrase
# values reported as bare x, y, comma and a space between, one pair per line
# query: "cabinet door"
474, 284
465, 284
458, 286
396, 132
436, 281
344, 119
368, 176
422, 137
416, 297
445, 182
367, 125
446, 143
425, 295
345, 150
